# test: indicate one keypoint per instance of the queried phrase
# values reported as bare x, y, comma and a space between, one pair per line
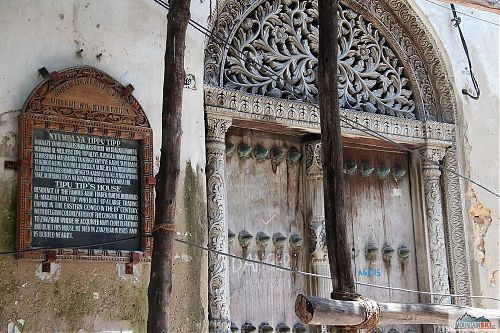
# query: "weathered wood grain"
318, 311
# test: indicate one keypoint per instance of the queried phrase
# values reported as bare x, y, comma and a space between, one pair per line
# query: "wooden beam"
492, 6
160, 282
339, 253
320, 311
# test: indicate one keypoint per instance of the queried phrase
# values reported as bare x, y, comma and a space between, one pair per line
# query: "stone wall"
130, 37
479, 132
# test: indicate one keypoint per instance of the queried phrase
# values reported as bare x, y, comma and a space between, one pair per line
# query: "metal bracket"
128, 90
136, 258
11, 165
51, 257
151, 181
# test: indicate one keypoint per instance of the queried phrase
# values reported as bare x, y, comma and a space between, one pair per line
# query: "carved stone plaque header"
86, 165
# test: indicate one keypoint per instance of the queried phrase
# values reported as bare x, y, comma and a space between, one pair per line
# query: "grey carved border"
305, 116
235, 105
458, 257
426, 69
401, 26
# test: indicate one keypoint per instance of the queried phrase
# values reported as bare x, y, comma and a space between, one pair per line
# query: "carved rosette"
457, 244
435, 222
218, 274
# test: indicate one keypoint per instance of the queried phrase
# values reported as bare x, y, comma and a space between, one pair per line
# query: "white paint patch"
52, 276
95, 295
13, 328
397, 192
183, 257
134, 278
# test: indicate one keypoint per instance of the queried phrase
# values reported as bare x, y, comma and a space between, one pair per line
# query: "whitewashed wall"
479, 125
130, 34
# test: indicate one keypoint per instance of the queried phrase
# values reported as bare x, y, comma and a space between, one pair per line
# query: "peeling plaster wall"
130, 35
479, 132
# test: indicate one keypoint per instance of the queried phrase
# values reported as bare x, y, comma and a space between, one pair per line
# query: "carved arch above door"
395, 83
389, 63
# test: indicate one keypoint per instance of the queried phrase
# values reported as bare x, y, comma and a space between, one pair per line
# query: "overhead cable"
457, 20
225, 44
251, 261
462, 13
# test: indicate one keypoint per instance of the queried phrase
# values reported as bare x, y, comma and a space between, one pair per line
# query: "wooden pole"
319, 311
160, 284
333, 178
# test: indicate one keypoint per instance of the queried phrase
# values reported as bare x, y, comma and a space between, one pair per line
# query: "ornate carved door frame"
423, 119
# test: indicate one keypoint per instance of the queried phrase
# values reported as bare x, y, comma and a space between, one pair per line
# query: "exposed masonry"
481, 218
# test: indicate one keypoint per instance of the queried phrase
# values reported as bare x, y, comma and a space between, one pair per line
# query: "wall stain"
481, 219
188, 288
66, 305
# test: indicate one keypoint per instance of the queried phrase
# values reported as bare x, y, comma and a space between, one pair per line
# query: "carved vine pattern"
394, 19
218, 265
436, 234
458, 260
283, 36
35, 101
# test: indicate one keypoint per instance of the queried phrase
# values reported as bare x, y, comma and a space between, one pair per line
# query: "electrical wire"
457, 20
413, 152
225, 44
465, 14
206, 249
328, 277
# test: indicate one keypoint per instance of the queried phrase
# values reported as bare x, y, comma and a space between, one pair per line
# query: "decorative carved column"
435, 222
316, 222
457, 244
218, 265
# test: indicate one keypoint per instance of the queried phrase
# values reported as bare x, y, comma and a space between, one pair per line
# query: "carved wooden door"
379, 206
265, 216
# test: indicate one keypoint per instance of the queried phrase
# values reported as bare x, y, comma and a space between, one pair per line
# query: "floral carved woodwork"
389, 32
435, 226
218, 265
279, 42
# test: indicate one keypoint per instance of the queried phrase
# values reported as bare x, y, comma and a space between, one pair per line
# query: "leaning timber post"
339, 254
160, 283
431, 174
321, 311
316, 222
218, 265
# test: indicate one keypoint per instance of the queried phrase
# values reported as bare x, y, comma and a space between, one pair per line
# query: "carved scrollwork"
279, 40
458, 254
218, 265
435, 225
394, 20
217, 128
314, 167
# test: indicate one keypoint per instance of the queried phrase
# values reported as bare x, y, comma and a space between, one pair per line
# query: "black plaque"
86, 190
